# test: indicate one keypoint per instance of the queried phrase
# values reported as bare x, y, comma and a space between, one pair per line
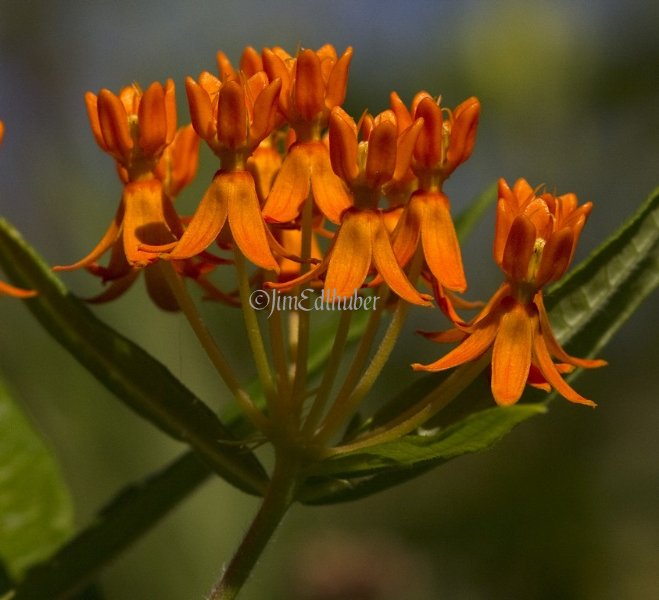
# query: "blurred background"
566, 506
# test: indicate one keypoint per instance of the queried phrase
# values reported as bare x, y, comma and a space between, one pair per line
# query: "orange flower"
234, 117
362, 241
535, 240
442, 144
135, 128
313, 83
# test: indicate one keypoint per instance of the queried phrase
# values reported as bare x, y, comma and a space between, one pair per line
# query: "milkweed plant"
319, 231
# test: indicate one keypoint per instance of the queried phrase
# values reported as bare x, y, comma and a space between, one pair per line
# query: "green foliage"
136, 378
35, 507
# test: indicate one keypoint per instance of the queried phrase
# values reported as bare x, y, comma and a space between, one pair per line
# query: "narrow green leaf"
477, 432
134, 376
133, 512
595, 299
36, 514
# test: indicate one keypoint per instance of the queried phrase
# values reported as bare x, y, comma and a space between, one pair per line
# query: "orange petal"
201, 109
463, 132
232, 115
555, 257
350, 256
205, 224
145, 220
265, 113
309, 87
386, 265
429, 145
470, 349
551, 374
291, 187
405, 237
552, 343
338, 80
245, 218
343, 144
91, 102
10, 290
440, 242
519, 248
381, 155
113, 122
109, 237
511, 356
330, 192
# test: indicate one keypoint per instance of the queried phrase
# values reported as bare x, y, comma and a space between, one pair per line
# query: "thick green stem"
277, 500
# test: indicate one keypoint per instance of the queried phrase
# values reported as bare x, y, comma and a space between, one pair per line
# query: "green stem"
207, 342
298, 393
329, 374
419, 413
276, 502
254, 334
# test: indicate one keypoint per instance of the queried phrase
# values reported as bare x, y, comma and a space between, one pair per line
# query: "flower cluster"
296, 169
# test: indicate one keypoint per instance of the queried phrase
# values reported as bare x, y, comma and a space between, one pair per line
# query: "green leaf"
595, 299
473, 434
35, 508
135, 377
134, 511
585, 310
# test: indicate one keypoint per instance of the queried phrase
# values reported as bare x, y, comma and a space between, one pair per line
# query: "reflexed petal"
552, 343
10, 290
551, 373
471, 349
145, 220
511, 356
109, 237
205, 224
245, 218
387, 266
440, 242
330, 192
405, 238
116, 289
351, 256
291, 187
